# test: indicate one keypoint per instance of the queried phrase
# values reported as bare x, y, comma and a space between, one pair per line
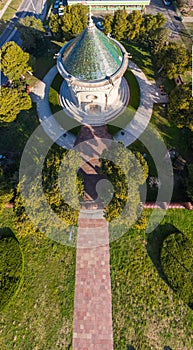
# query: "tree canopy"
180, 108
73, 21
31, 30
12, 102
126, 172
107, 24
59, 185
120, 24
14, 61
174, 59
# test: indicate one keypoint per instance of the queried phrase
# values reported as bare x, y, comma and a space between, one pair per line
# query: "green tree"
14, 61
60, 185
55, 23
189, 182
79, 18
135, 20
107, 24
159, 39
153, 22
126, 172
174, 59
180, 108
74, 20
120, 24
31, 30
6, 191
12, 102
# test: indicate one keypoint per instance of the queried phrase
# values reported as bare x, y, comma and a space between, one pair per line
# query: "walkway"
130, 133
40, 95
142, 117
89, 144
93, 300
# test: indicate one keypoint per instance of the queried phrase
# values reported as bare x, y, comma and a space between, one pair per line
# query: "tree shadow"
154, 245
172, 267
6, 232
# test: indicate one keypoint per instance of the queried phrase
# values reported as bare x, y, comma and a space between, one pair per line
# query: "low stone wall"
165, 205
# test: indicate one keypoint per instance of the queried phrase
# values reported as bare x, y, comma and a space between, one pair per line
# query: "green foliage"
54, 23
135, 20
12, 102
124, 170
31, 30
6, 191
152, 23
177, 264
159, 38
107, 24
14, 61
189, 182
79, 18
174, 59
181, 106
59, 185
120, 24
10, 267
73, 21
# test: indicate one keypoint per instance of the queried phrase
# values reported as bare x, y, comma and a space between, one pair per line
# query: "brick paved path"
90, 143
93, 302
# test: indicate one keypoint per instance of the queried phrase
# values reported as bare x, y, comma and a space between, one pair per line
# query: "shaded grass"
142, 57
11, 267
14, 136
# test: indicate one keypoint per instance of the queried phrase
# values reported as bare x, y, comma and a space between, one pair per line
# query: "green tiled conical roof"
92, 55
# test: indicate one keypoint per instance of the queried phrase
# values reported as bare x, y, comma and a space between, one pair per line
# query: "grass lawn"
41, 316
2, 4
122, 120
146, 313
171, 134
11, 10
141, 57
